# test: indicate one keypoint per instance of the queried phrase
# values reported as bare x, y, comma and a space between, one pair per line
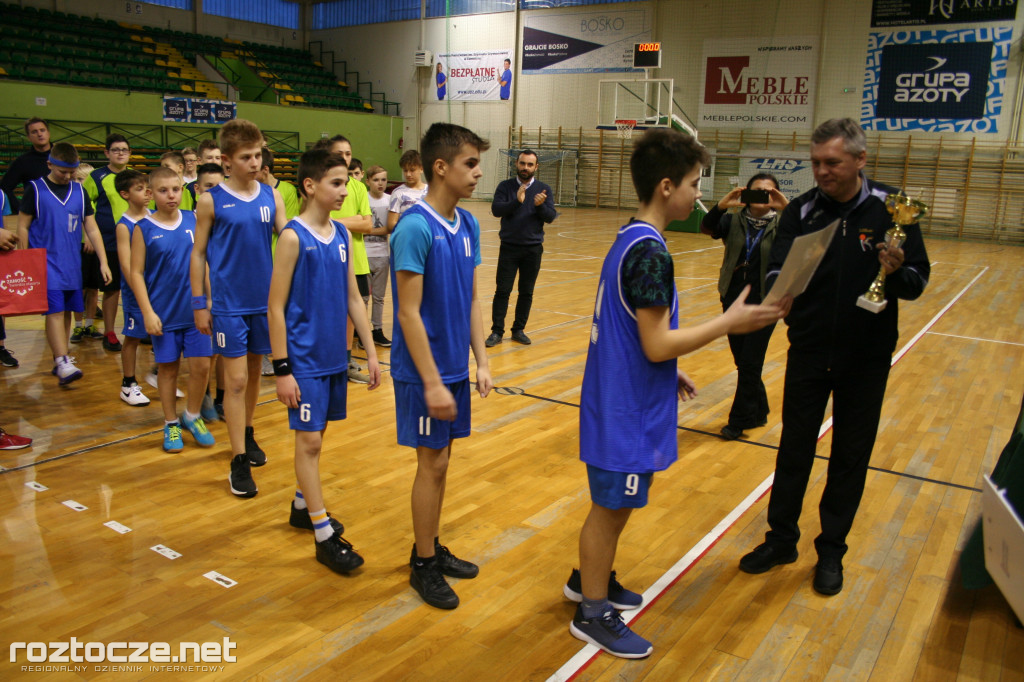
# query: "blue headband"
63, 164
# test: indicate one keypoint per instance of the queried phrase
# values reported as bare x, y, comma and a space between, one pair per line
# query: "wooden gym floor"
516, 499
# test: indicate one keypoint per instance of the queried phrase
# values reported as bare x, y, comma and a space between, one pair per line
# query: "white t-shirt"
377, 245
403, 197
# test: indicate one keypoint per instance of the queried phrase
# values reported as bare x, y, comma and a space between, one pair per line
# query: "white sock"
321, 525
191, 417
300, 501
87, 322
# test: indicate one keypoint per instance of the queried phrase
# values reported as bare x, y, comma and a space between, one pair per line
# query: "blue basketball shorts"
237, 335
323, 399
61, 300
617, 489
134, 325
416, 428
167, 347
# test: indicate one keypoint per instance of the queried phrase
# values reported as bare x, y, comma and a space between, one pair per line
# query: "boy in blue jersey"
434, 253
628, 414
235, 223
109, 206
54, 211
312, 258
133, 189
161, 255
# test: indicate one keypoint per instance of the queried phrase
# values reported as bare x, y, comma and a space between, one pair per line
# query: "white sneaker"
151, 380
133, 396
66, 371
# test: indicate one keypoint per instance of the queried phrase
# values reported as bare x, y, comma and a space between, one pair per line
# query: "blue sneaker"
618, 596
610, 633
172, 438
198, 430
208, 412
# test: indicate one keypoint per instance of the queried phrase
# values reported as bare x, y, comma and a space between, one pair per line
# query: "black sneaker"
7, 358
828, 576
493, 340
431, 585
451, 565
766, 556
337, 554
730, 432
257, 457
300, 519
111, 343
520, 337
240, 480
618, 596
380, 339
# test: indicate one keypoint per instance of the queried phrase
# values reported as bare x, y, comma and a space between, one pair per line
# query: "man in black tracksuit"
524, 205
835, 347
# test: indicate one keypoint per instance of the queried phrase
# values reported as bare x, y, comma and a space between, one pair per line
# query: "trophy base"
871, 306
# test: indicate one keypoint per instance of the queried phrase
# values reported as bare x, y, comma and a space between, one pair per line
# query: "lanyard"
751, 245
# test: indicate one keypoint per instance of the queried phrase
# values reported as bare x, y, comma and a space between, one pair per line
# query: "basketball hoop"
624, 127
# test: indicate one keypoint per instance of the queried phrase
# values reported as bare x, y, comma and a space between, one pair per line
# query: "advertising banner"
792, 169
759, 83
921, 12
583, 42
196, 110
936, 80
482, 76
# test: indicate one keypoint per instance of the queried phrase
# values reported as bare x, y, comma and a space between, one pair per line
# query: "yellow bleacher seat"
343, 84
368, 106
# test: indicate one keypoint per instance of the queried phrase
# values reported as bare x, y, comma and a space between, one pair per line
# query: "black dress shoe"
731, 432
493, 340
828, 576
765, 557
520, 337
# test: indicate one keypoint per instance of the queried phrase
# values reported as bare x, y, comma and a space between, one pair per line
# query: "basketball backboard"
648, 101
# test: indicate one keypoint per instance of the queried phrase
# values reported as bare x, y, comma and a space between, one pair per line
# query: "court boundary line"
588, 653
975, 338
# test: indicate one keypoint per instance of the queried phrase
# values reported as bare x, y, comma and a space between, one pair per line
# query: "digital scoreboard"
647, 56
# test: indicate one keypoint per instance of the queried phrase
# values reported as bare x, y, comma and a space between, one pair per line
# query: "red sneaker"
8, 441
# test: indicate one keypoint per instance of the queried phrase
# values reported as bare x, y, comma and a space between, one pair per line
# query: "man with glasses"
108, 206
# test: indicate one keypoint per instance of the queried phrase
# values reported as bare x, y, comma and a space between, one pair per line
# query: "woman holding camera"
747, 235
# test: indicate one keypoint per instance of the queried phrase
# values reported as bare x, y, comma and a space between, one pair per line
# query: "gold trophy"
904, 211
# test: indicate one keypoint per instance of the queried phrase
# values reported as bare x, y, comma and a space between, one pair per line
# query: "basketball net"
624, 128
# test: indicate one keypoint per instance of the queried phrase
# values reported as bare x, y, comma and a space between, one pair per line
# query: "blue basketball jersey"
445, 254
628, 410
57, 227
316, 313
238, 252
128, 302
168, 258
